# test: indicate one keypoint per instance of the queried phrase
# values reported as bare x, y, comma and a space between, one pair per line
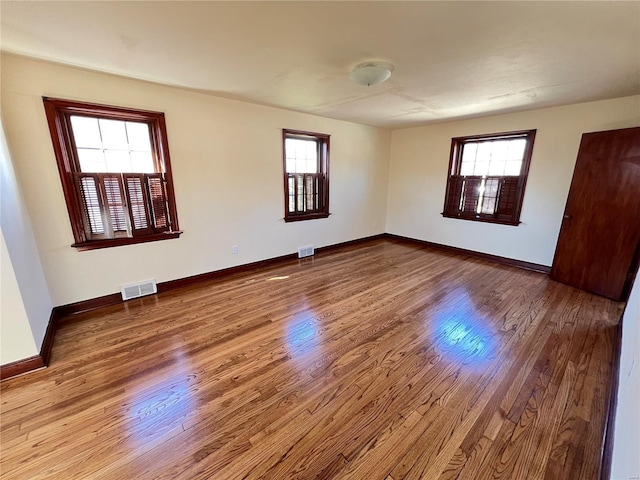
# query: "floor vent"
305, 251
135, 290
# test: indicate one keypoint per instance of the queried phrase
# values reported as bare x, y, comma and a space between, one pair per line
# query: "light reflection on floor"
461, 332
153, 411
277, 278
303, 334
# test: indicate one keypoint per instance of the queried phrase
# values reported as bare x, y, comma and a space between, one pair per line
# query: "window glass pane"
311, 150
118, 161
498, 157
116, 146
291, 146
516, 149
466, 168
513, 168
290, 155
138, 136
469, 152
291, 165
481, 168
312, 166
301, 155
91, 160
484, 152
114, 135
85, 132
301, 165
499, 150
496, 167
142, 162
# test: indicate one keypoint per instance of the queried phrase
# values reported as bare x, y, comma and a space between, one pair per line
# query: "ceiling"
452, 59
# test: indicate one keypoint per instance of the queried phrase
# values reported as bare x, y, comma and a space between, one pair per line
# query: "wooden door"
598, 243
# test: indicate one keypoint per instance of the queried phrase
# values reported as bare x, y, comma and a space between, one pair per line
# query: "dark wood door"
598, 243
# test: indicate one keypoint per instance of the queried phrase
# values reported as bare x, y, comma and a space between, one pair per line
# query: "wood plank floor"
383, 360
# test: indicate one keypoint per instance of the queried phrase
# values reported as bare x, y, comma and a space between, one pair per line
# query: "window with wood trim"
115, 171
306, 175
487, 177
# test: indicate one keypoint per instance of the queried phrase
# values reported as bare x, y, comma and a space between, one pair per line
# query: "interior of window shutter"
320, 195
309, 183
490, 195
452, 203
291, 192
115, 203
508, 198
471, 194
138, 205
158, 200
299, 192
89, 188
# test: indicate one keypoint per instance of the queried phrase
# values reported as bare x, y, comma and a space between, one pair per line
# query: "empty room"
320, 240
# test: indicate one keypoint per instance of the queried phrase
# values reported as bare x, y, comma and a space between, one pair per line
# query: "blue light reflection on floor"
303, 334
152, 411
466, 337
460, 332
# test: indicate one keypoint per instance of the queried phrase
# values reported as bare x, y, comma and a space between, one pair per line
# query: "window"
487, 177
306, 175
115, 172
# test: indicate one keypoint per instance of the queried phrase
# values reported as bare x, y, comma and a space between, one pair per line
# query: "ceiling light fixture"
371, 73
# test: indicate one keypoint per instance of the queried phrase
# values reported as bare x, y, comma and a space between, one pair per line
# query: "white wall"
16, 337
626, 458
226, 158
32, 302
418, 175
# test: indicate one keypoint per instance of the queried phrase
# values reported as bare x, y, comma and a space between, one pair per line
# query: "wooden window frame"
320, 179
59, 112
509, 212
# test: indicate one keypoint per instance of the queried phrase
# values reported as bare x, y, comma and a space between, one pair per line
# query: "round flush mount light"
371, 73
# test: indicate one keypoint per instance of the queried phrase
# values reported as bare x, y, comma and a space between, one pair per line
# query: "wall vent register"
306, 251
141, 289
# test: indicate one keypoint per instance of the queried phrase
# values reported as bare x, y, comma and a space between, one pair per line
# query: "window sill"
310, 216
117, 242
483, 219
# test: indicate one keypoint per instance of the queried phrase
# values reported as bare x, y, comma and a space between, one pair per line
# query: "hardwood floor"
378, 361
